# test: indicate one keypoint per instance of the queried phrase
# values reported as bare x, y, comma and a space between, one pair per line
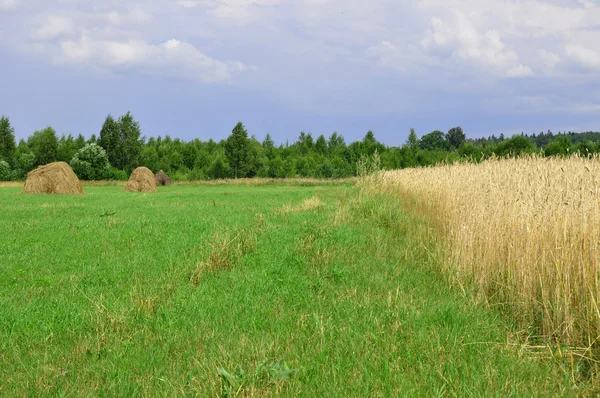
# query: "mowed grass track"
239, 291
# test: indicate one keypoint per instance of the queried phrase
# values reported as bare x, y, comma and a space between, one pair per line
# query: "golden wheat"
525, 232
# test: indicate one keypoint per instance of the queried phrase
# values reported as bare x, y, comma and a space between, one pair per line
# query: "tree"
219, 169
269, 146
24, 160
434, 141
7, 140
130, 134
305, 143
79, 141
413, 141
122, 141
369, 144
456, 137
336, 143
91, 163
109, 139
237, 150
67, 148
321, 145
44, 145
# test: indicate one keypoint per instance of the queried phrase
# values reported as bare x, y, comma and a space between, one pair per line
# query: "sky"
194, 68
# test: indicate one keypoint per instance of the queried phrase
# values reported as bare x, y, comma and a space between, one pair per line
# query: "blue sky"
193, 68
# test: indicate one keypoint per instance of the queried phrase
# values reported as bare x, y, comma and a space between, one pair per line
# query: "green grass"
211, 290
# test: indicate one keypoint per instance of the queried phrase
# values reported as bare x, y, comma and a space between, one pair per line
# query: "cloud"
326, 49
519, 71
242, 11
549, 58
52, 27
405, 59
458, 37
6, 5
586, 57
188, 3
173, 58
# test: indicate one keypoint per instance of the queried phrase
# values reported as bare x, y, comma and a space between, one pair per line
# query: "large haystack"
141, 180
162, 178
55, 178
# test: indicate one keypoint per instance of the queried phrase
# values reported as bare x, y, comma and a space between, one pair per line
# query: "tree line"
120, 147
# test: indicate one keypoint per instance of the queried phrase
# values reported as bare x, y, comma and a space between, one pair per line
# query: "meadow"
246, 290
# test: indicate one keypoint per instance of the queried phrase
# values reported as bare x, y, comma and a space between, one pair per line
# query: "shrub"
180, 175
515, 146
117, 174
24, 163
91, 163
6, 174
561, 146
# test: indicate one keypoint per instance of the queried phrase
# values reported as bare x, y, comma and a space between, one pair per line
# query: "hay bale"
53, 178
141, 180
162, 178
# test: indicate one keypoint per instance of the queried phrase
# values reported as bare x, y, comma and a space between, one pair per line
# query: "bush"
6, 173
180, 175
24, 163
561, 146
515, 146
219, 169
196, 174
117, 174
326, 170
586, 148
91, 163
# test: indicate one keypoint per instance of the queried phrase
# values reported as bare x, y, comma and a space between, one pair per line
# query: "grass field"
233, 290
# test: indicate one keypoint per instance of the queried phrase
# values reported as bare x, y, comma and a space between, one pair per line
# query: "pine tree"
236, 150
7, 140
413, 140
269, 146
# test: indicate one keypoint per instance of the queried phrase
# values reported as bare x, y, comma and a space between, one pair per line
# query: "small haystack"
141, 180
162, 178
54, 178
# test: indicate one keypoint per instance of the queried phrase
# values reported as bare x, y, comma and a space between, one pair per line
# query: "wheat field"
525, 233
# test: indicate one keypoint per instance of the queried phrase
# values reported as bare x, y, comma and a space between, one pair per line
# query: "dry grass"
526, 234
307, 205
270, 181
11, 184
239, 181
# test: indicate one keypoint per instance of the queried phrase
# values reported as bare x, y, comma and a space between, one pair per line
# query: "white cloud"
53, 27
304, 43
188, 3
8, 4
520, 71
403, 59
242, 11
459, 37
584, 56
173, 58
549, 58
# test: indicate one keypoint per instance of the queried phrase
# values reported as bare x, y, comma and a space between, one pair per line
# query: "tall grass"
525, 233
